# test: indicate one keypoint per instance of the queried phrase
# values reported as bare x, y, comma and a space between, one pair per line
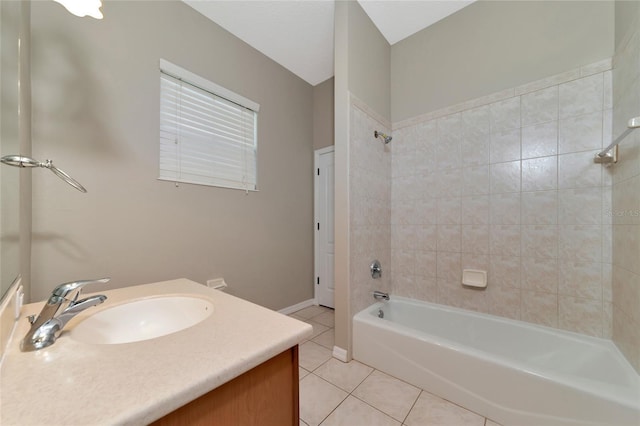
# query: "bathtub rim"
620, 394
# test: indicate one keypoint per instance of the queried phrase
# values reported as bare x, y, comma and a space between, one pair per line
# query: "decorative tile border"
584, 71
364, 107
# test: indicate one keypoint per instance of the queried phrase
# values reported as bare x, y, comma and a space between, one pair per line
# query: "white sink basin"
142, 319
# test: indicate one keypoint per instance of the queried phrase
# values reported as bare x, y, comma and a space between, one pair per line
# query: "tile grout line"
404, 421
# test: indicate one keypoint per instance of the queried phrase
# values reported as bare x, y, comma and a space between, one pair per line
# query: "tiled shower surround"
506, 184
510, 187
370, 204
626, 199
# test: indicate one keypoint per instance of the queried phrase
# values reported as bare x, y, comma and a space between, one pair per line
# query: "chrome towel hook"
22, 161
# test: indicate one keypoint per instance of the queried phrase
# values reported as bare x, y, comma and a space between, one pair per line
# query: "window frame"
184, 76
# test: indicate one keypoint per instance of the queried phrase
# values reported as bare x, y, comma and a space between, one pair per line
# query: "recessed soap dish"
474, 278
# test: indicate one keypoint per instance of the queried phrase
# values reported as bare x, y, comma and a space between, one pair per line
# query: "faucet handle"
64, 290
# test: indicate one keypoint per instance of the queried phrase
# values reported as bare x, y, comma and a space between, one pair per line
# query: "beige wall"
341, 210
369, 62
626, 184
361, 69
95, 112
323, 115
493, 45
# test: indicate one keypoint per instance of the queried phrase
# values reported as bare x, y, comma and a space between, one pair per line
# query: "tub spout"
380, 295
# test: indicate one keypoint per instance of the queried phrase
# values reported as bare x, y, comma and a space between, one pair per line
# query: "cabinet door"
267, 395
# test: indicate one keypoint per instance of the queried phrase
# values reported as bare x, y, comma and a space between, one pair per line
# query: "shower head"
386, 139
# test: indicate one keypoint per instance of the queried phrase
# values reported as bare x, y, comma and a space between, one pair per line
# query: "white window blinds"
205, 138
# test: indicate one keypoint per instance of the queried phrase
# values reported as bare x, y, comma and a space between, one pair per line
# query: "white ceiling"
298, 34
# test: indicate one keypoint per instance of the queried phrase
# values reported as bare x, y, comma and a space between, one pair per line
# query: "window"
208, 134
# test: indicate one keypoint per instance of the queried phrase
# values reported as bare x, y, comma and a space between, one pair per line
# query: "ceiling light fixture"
83, 8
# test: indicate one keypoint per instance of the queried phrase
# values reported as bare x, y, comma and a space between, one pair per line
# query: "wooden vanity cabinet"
266, 395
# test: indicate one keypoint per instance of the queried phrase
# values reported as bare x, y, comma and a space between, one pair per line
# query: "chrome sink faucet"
63, 304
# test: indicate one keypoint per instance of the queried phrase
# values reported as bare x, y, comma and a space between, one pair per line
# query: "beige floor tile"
312, 355
311, 311
325, 318
318, 328
302, 423
387, 394
326, 339
491, 423
353, 412
346, 376
302, 373
318, 399
432, 410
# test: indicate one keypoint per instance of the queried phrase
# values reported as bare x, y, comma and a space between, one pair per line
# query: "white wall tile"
540, 275
425, 211
449, 211
539, 208
581, 96
475, 210
540, 308
505, 177
580, 279
505, 209
580, 206
449, 238
448, 155
449, 266
505, 145
449, 183
577, 170
540, 140
476, 121
426, 263
539, 174
427, 237
581, 133
475, 239
504, 240
580, 242
539, 241
424, 160
626, 239
504, 271
505, 114
580, 315
475, 151
477, 261
476, 136
426, 135
504, 302
427, 186
475, 180
401, 163
608, 90
540, 106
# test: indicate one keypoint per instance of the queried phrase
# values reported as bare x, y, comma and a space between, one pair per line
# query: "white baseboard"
297, 307
340, 354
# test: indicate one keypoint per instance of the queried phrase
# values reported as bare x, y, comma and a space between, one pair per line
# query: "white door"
324, 240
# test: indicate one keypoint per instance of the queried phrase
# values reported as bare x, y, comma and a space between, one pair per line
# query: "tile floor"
333, 393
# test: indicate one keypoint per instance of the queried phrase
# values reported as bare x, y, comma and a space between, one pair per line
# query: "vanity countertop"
74, 383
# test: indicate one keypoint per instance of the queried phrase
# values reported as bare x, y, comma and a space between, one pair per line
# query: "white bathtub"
510, 371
